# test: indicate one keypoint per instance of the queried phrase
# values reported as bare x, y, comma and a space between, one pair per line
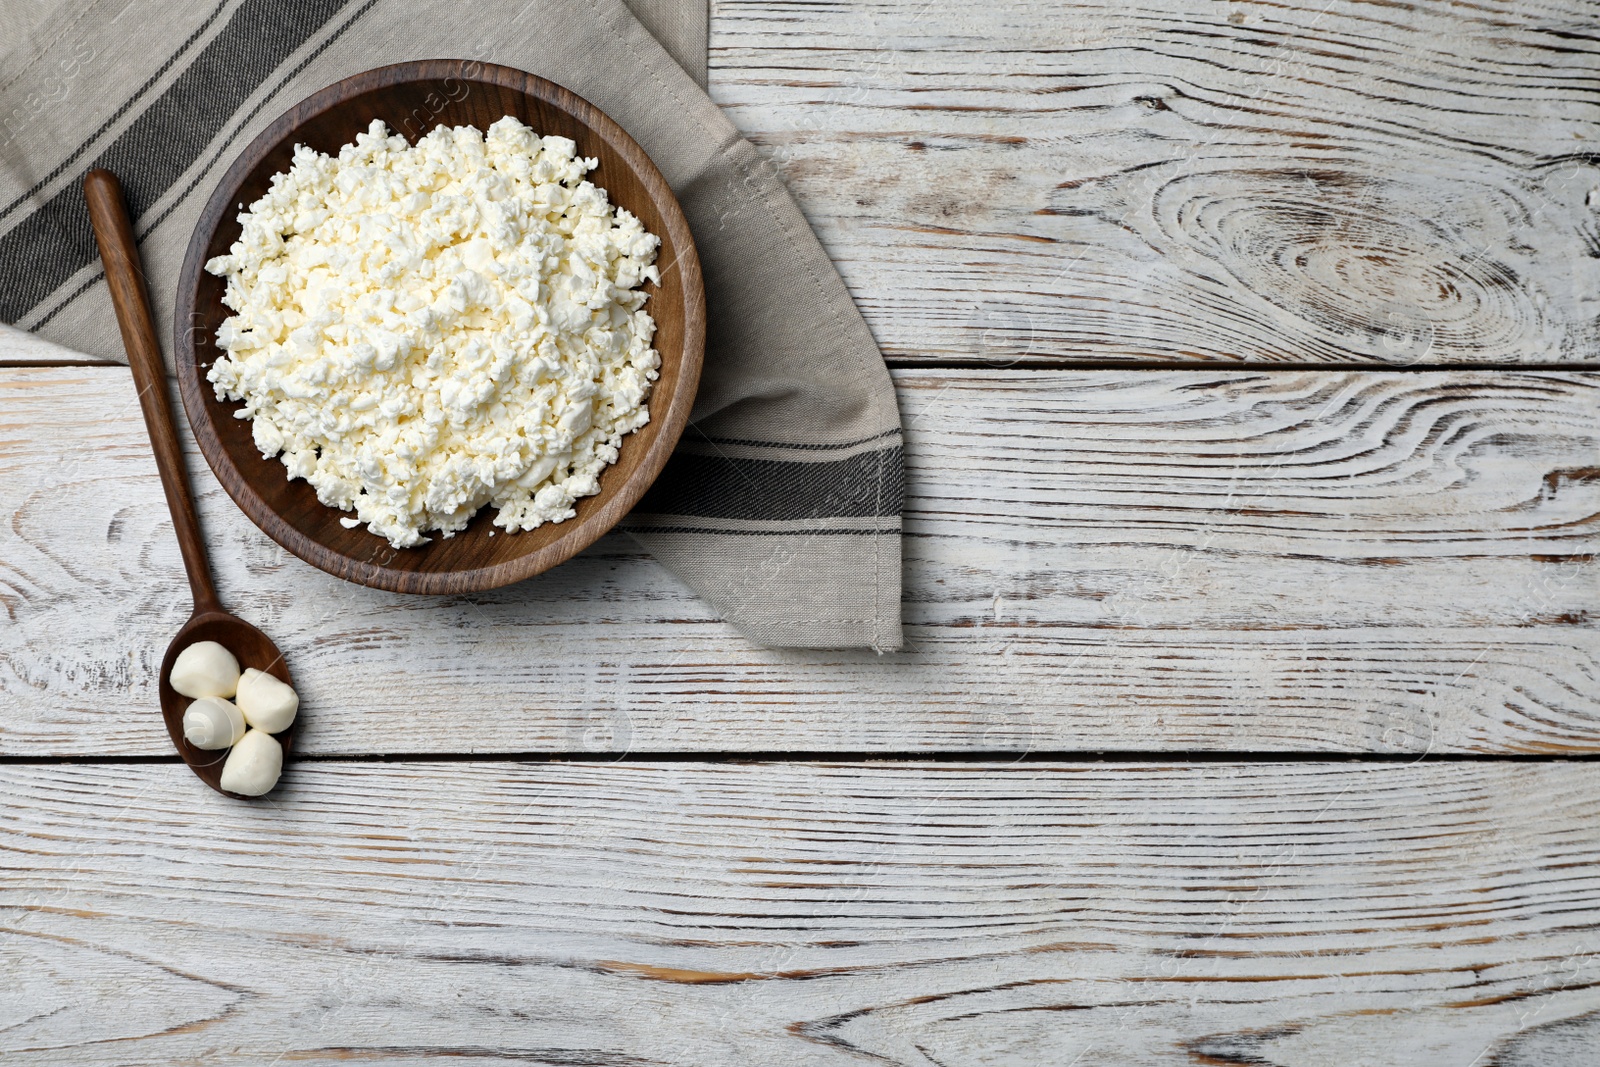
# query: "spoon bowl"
251, 648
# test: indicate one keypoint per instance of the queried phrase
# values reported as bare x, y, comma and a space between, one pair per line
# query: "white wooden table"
1249, 356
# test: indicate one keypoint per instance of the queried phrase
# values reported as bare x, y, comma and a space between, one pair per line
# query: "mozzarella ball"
254, 764
212, 723
267, 703
205, 669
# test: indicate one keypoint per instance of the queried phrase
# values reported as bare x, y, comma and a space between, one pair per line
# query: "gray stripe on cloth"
47, 247
116, 116
725, 487
144, 226
811, 527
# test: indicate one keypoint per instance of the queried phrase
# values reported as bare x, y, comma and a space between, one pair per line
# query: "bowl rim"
671, 419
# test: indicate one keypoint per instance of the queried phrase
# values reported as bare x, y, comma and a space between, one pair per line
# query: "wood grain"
1219, 560
1430, 915
412, 99
1190, 180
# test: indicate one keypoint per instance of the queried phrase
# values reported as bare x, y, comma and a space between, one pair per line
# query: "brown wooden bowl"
413, 98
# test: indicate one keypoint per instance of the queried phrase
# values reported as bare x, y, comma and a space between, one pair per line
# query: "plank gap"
1191, 367
1035, 367
828, 756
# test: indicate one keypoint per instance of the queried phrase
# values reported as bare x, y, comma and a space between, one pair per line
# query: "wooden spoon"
209, 622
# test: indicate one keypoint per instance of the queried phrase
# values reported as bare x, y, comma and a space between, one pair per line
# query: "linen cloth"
782, 504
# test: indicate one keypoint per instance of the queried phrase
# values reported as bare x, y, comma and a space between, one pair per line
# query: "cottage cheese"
420, 331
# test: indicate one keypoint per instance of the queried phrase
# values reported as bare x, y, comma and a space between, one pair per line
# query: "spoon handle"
125, 276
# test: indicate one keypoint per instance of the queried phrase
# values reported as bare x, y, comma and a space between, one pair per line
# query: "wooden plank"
1190, 180
1405, 915
1223, 560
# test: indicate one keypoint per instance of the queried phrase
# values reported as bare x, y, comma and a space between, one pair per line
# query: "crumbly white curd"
420, 331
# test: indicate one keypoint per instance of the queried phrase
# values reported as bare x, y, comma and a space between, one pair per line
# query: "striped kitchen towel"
782, 506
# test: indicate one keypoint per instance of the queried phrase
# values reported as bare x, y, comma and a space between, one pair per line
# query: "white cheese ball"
213, 723
420, 331
254, 764
267, 704
205, 669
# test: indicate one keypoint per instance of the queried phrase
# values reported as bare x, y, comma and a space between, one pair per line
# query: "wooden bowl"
413, 98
